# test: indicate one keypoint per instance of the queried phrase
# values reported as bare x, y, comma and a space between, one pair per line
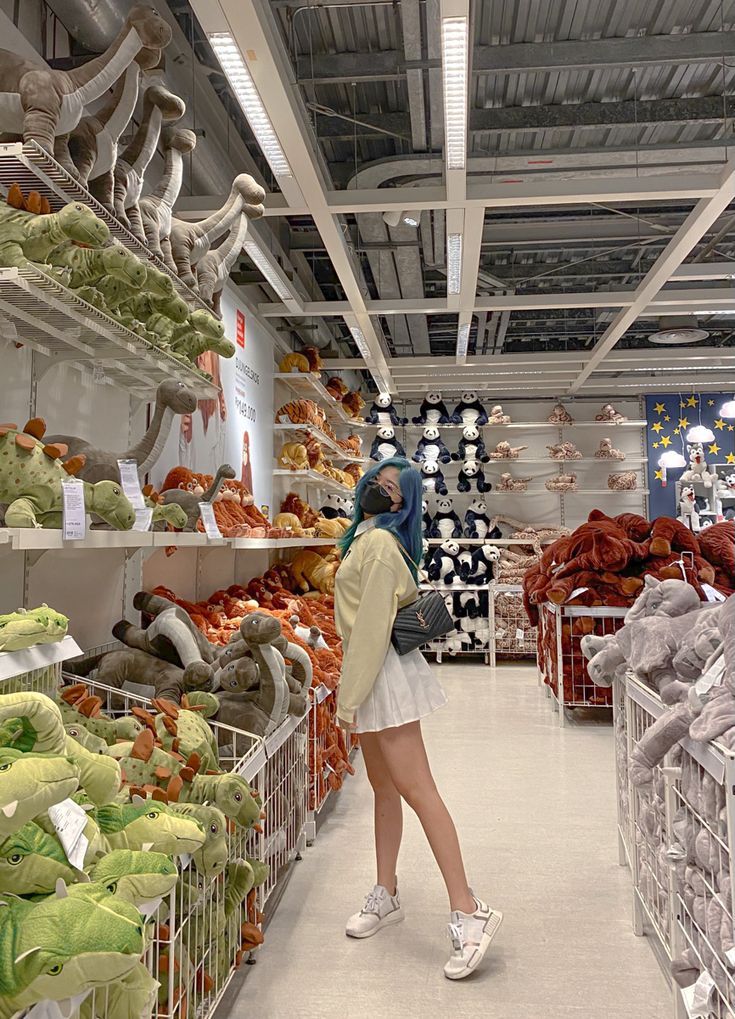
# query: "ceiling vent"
678, 330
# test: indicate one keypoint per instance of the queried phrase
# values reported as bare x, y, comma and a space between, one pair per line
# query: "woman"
383, 697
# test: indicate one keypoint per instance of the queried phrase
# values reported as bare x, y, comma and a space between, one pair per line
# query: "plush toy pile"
88, 852
28, 627
233, 505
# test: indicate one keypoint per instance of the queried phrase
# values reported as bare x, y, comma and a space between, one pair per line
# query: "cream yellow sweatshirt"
372, 583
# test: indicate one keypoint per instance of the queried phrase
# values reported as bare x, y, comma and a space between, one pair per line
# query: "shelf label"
74, 514
206, 511
70, 820
712, 593
131, 483
520, 635
143, 519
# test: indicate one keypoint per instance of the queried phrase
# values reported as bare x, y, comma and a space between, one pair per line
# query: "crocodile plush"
31, 474
28, 627
26, 237
78, 267
32, 861
212, 857
30, 783
141, 878
201, 332
149, 824
65, 945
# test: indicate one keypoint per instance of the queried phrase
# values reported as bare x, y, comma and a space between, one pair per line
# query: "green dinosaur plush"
31, 783
30, 483
28, 627
95, 744
201, 332
32, 861
141, 878
78, 267
149, 825
25, 236
131, 997
212, 857
185, 731
64, 946
79, 708
171, 515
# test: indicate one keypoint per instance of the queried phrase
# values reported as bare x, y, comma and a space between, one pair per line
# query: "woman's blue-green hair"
406, 523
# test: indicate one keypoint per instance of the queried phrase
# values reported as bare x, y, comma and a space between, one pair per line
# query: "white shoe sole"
395, 916
491, 929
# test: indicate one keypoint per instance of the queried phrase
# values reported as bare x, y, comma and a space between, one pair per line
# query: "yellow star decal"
656, 445
659, 408
666, 417
665, 441
681, 403
657, 427
691, 401
710, 403
683, 422
676, 431
731, 428
730, 458
719, 423
659, 475
714, 448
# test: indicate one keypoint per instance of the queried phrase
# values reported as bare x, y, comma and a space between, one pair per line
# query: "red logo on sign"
240, 329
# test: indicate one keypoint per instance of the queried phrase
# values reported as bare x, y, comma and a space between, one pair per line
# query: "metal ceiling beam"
500, 120
588, 54
700, 219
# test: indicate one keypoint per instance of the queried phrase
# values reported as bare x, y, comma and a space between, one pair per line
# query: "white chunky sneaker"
380, 910
471, 934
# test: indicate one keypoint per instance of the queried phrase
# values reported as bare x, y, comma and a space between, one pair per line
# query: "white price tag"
74, 515
206, 511
712, 677
712, 593
520, 635
143, 519
730, 956
70, 820
131, 483
576, 592
701, 994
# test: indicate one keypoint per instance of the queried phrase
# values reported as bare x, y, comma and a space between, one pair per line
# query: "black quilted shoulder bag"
422, 621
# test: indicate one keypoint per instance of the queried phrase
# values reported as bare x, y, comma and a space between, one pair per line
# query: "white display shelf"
530, 426
502, 542
27, 539
15, 663
310, 388
313, 478
34, 169
315, 433
578, 491
185, 539
246, 544
47, 316
610, 464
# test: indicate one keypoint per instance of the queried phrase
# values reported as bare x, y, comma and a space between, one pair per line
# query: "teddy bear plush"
469, 410
444, 563
472, 472
433, 411
432, 478
385, 444
445, 522
476, 520
431, 447
471, 446
383, 412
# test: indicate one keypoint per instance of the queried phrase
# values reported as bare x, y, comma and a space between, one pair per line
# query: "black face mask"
374, 499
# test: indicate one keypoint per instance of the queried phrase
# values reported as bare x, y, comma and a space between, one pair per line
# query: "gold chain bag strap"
422, 621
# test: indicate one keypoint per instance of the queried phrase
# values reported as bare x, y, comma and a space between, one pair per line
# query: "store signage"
74, 515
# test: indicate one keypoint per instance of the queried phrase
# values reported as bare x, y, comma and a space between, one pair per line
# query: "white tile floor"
535, 809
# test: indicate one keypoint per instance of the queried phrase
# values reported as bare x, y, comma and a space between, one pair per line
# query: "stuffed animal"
432, 478
433, 411
564, 451
688, 513
560, 416
698, 472
294, 456
431, 447
383, 412
425, 518
386, 445
314, 358
471, 446
335, 506
445, 522
313, 571
476, 520
510, 484
483, 562
336, 388
469, 410
504, 451
622, 481
608, 413
444, 563
353, 404
294, 362
470, 472
28, 627
606, 451
497, 417
562, 483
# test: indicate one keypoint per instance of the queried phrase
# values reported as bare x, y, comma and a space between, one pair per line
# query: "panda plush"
433, 411
471, 446
483, 562
476, 520
383, 412
431, 447
444, 563
334, 506
466, 605
425, 517
470, 472
446, 523
469, 410
385, 444
432, 478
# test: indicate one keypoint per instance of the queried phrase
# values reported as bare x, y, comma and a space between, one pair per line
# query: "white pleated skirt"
405, 691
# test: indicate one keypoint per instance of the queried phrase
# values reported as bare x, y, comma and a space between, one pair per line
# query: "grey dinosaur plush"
189, 502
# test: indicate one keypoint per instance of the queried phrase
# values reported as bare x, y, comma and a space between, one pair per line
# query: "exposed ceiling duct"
679, 331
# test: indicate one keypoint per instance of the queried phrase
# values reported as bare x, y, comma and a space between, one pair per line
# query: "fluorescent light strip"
454, 263
463, 338
267, 271
359, 337
454, 71
239, 77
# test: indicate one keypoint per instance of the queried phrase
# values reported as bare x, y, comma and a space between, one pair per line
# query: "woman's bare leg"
388, 811
407, 765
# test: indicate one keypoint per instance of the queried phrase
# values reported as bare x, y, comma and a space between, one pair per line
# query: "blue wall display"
669, 417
